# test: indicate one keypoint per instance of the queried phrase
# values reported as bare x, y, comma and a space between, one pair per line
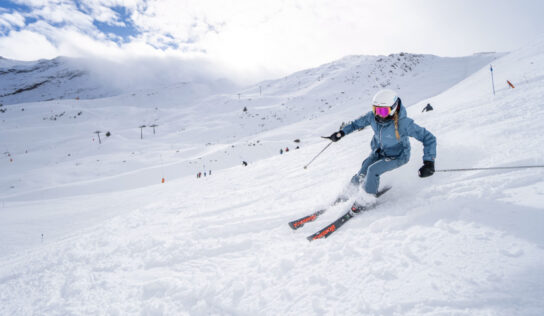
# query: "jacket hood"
402, 112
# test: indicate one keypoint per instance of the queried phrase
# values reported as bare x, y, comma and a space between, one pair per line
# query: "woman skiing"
390, 144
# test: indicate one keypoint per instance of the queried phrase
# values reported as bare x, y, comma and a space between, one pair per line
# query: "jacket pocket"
393, 151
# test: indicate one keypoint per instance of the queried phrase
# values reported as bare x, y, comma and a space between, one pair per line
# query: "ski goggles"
383, 111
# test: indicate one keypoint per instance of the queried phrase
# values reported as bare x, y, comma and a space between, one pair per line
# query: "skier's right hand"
336, 136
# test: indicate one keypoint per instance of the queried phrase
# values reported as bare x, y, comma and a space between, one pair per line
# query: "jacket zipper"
381, 143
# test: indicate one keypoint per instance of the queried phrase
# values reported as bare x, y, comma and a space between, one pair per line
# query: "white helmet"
385, 103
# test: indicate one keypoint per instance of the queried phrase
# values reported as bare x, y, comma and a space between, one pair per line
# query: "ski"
354, 210
298, 223
331, 228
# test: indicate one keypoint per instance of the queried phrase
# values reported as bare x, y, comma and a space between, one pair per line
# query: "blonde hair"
396, 118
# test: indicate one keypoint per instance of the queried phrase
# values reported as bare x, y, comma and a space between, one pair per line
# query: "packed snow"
89, 227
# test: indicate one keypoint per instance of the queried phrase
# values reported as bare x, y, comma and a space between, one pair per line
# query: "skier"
427, 108
390, 144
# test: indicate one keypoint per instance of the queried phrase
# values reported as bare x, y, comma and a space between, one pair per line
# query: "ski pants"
374, 166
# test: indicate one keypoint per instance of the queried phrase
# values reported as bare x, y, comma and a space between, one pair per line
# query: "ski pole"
489, 168
306, 167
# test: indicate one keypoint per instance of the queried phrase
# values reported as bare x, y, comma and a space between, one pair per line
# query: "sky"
258, 39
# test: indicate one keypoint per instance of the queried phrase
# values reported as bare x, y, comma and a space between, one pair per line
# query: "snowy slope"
197, 133
456, 243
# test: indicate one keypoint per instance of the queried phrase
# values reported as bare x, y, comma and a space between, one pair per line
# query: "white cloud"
102, 10
64, 13
9, 20
27, 45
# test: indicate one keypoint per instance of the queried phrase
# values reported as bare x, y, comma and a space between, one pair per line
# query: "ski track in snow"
453, 244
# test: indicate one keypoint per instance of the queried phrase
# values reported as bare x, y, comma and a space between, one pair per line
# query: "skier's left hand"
427, 170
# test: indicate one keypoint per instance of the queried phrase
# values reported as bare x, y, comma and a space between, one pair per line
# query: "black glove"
427, 170
336, 136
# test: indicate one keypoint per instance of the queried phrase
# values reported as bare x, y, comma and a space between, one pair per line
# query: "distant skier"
390, 144
281, 151
427, 108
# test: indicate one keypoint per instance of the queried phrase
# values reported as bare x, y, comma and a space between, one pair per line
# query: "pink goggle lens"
383, 111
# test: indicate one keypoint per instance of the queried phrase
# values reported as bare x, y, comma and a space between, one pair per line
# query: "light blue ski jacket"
385, 142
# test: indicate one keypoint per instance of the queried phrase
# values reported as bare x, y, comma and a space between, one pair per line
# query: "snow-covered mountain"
88, 228
43, 80
77, 78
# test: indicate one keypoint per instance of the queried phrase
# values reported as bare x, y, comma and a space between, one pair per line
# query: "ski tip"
295, 225
316, 237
